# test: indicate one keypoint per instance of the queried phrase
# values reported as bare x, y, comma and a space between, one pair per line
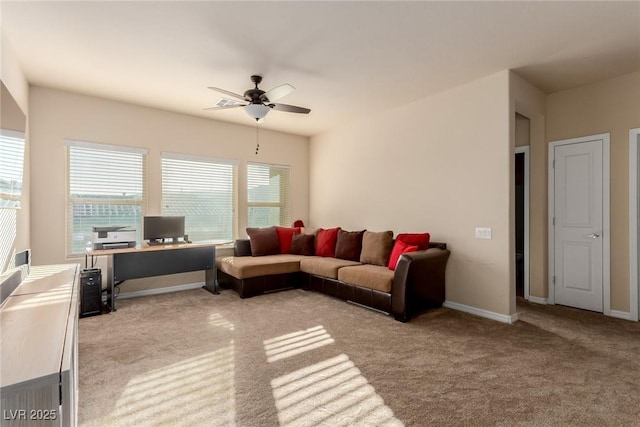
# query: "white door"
578, 229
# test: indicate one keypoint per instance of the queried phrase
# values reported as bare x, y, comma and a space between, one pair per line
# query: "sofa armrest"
438, 245
242, 247
418, 282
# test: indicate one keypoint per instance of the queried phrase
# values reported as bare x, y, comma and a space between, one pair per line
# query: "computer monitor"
163, 227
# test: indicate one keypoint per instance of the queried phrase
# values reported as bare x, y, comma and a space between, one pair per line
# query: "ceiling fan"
257, 103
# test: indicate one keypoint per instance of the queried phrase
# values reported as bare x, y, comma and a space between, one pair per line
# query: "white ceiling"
346, 59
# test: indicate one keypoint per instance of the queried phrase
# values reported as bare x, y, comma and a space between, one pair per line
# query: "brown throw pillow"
302, 244
376, 247
349, 245
264, 241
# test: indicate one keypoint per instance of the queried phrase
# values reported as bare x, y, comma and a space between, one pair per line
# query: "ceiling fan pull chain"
257, 138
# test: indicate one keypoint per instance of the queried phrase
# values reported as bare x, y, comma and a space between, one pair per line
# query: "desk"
148, 261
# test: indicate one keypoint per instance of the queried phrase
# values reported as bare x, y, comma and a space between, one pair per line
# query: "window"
203, 190
268, 195
106, 187
11, 168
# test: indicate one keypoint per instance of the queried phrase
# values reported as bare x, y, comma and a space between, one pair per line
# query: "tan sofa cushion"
244, 267
324, 266
376, 247
369, 276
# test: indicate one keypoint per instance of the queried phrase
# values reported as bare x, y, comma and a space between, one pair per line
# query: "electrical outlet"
483, 233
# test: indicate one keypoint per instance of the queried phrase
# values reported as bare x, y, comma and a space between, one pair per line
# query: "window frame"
211, 160
69, 200
285, 196
15, 198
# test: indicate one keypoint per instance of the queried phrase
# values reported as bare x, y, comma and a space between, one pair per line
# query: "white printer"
113, 237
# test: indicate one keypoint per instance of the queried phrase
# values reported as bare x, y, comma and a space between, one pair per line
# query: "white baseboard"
537, 300
620, 314
481, 312
158, 291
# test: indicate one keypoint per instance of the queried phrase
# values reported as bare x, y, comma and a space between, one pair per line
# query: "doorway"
579, 223
634, 221
521, 178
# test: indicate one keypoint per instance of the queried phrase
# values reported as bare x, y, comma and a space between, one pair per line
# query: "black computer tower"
90, 292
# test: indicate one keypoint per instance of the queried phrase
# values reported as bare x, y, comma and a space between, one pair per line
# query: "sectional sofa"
367, 268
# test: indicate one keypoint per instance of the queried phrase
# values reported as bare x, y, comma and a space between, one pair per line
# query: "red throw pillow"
284, 237
399, 248
326, 242
421, 240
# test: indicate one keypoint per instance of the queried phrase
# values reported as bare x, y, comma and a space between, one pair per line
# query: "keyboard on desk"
161, 243
158, 243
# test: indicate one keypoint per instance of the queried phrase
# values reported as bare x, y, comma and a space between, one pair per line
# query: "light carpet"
298, 358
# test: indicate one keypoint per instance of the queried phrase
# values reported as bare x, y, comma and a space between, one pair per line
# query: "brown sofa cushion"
324, 266
369, 276
264, 241
376, 247
349, 245
303, 244
244, 267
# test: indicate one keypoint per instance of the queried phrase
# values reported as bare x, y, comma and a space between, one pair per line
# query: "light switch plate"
483, 233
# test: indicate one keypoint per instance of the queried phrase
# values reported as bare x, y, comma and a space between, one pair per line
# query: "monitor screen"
163, 227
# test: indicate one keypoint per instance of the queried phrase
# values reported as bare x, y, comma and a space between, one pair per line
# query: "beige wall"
530, 102
611, 106
12, 75
443, 164
409, 148
58, 115
14, 224
522, 130
11, 116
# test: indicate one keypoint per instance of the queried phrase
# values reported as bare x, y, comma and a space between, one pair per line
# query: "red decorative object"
421, 240
285, 235
399, 248
326, 242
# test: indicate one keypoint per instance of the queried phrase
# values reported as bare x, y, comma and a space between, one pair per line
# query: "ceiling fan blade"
226, 92
290, 108
277, 92
225, 107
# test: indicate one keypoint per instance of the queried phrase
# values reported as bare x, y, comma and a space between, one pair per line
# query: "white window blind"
11, 168
268, 195
106, 187
203, 190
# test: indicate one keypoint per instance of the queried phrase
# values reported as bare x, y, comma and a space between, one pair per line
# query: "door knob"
592, 235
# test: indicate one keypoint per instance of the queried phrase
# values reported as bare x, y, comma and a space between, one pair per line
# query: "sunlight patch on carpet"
199, 390
296, 343
331, 392
217, 320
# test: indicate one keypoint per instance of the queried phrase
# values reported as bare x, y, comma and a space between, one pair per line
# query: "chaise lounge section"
417, 283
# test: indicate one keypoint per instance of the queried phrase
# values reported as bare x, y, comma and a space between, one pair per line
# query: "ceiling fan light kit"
257, 103
257, 111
